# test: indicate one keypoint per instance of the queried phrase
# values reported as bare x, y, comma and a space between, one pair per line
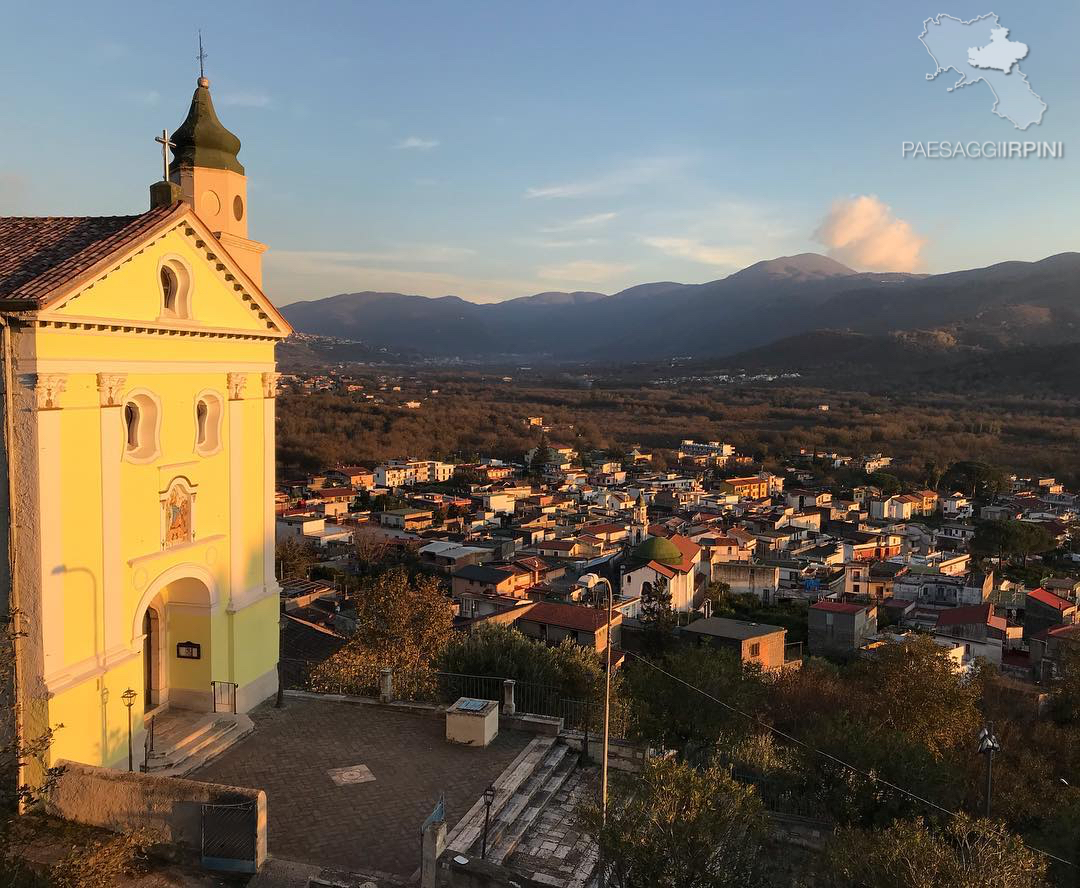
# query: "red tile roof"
41, 254
964, 616
1050, 599
568, 616
838, 607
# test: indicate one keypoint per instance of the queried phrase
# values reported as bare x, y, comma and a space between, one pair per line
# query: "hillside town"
528, 543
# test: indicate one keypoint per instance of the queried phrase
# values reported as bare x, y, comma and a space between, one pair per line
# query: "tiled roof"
964, 616
568, 616
1050, 599
41, 254
838, 607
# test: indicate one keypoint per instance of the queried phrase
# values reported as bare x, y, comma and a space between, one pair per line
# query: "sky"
492, 150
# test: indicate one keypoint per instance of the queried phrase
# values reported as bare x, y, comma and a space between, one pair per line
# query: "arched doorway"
173, 630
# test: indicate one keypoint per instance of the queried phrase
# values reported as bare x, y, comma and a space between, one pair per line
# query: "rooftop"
723, 627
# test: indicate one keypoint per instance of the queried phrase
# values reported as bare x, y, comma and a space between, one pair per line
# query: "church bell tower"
211, 179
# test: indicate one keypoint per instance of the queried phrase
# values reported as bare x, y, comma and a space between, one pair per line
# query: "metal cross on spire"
202, 57
163, 140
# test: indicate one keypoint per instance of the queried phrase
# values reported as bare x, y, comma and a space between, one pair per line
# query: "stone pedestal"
472, 722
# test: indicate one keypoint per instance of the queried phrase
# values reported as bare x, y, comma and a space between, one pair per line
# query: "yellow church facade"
140, 385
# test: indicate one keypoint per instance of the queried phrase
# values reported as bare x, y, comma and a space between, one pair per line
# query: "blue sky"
493, 149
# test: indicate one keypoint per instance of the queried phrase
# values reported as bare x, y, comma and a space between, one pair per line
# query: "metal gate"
229, 837
224, 693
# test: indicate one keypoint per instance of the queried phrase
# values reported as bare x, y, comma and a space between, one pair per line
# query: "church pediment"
180, 277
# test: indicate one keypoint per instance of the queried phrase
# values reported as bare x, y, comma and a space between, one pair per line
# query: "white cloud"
706, 254
617, 181
149, 97
583, 271
418, 144
243, 99
863, 232
593, 221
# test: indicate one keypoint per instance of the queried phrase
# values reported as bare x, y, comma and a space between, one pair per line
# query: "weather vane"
202, 57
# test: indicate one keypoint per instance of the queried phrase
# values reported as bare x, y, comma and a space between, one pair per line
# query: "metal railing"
148, 744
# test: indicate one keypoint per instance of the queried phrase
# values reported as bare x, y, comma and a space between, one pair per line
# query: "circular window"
211, 203
238, 207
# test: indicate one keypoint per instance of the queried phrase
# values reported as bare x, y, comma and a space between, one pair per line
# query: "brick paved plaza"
365, 825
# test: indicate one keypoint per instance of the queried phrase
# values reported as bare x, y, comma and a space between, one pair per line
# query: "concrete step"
470, 828
525, 797
509, 841
199, 745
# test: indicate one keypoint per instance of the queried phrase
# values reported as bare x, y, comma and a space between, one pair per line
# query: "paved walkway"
356, 823
555, 851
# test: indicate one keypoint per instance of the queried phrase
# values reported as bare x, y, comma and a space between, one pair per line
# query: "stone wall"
477, 873
169, 808
622, 754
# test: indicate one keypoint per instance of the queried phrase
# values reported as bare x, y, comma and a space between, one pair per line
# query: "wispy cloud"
706, 254
863, 232
398, 253
594, 221
416, 143
728, 234
299, 275
243, 99
149, 97
585, 271
613, 182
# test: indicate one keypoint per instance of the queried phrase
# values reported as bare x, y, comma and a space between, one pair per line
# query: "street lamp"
593, 579
129, 700
988, 745
489, 798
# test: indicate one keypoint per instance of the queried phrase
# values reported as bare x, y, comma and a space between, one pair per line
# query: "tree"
541, 456
294, 559
371, 550
669, 715
676, 827
975, 478
912, 854
1010, 537
403, 624
888, 483
504, 652
657, 616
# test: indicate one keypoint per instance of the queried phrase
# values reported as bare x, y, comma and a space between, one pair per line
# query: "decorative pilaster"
48, 387
269, 384
111, 437
237, 383
110, 387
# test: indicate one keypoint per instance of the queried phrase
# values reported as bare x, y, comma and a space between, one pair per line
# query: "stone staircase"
521, 793
185, 741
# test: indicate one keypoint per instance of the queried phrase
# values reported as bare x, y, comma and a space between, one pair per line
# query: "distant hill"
770, 304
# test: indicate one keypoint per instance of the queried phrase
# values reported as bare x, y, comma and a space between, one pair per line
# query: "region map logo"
980, 51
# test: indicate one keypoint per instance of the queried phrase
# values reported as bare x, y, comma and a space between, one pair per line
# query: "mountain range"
802, 304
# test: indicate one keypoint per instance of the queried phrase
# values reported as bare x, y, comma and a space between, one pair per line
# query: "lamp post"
129, 700
489, 797
988, 745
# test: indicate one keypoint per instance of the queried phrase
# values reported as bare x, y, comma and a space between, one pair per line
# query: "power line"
827, 755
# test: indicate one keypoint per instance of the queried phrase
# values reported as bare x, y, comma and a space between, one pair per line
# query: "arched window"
175, 282
131, 425
142, 427
201, 413
208, 413
169, 288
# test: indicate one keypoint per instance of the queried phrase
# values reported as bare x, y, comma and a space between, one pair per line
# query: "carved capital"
47, 390
110, 386
269, 384
237, 382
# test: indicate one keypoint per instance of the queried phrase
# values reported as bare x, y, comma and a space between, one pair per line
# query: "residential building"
839, 628
752, 643
1044, 610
